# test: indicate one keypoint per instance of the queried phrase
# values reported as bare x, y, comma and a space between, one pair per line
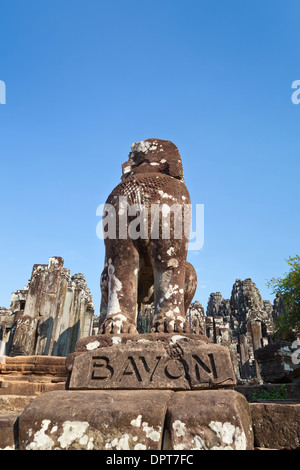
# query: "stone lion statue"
147, 261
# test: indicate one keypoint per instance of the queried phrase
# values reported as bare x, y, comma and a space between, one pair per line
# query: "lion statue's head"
154, 156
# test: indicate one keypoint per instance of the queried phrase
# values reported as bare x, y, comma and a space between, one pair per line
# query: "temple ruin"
55, 309
244, 323
154, 371
49, 315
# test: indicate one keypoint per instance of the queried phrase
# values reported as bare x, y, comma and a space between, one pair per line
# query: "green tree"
288, 287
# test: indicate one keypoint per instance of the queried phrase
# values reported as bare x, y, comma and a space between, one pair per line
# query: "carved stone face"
154, 156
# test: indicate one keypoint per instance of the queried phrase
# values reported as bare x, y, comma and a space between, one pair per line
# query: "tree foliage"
288, 287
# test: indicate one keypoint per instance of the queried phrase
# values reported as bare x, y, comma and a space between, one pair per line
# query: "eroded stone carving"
49, 315
139, 269
244, 323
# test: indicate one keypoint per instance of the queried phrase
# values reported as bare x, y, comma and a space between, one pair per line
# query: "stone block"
14, 403
8, 431
276, 425
34, 365
208, 420
145, 362
28, 388
278, 363
94, 420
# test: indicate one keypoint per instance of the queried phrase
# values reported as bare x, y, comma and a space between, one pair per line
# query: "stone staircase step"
276, 425
30, 378
28, 388
14, 403
34, 365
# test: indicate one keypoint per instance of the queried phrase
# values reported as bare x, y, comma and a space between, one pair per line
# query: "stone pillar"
76, 316
57, 311
196, 318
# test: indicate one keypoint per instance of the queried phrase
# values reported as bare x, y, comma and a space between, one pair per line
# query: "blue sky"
86, 78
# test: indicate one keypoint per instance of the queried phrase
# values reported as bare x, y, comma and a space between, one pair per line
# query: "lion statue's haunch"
148, 263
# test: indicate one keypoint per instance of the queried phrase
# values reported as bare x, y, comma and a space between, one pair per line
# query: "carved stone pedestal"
142, 392
150, 361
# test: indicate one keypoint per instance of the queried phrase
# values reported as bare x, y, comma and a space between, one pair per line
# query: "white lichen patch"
92, 345
72, 430
179, 447
84, 440
53, 262
41, 441
151, 433
173, 263
116, 340
229, 434
137, 422
179, 428
172, 290
118, 321
140, 147
126, 170
165, 195
140, 447
122, 443
170, 314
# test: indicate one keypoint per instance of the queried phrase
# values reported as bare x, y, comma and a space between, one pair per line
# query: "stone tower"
50, 314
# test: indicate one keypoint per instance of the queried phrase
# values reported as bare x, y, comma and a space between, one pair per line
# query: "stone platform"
174, 398
193, 420
32, 375
137, 420
142, 392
